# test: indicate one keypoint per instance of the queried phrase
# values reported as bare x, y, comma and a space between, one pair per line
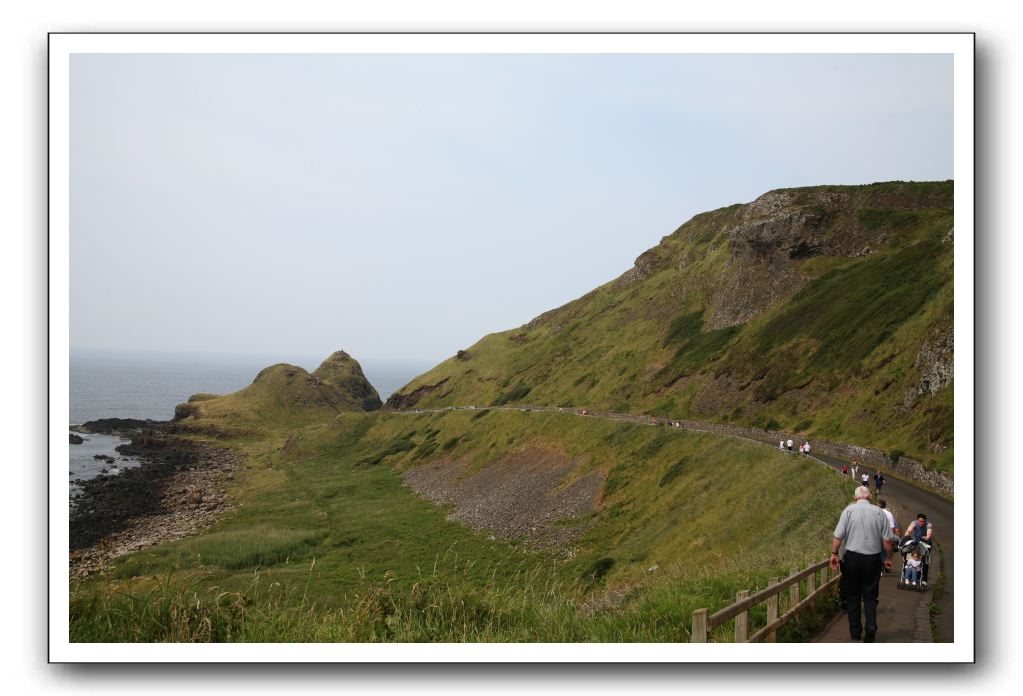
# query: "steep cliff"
823, 310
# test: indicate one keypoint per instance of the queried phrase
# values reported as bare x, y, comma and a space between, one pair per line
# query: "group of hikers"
783, 445
864, 478
862, 547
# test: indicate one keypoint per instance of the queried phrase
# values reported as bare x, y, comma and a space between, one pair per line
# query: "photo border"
61, 45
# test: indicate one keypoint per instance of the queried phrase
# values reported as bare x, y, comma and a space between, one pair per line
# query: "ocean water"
129, 385
83, 464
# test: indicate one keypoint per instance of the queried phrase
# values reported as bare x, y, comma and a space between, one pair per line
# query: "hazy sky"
403, 206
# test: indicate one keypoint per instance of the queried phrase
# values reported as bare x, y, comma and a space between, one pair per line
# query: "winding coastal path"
903, 616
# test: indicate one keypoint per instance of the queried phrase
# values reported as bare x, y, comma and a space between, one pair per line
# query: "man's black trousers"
861, 574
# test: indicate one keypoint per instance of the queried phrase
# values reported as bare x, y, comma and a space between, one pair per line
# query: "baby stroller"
908, 579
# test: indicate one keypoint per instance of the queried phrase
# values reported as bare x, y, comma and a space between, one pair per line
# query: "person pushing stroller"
920, 532
915, 555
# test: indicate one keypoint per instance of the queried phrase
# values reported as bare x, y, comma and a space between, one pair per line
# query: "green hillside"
332, 540
825, 311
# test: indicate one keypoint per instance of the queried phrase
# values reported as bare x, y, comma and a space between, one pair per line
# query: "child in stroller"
914, 568
914, 557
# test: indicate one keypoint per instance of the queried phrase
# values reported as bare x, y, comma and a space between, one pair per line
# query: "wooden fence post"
794, 591
742, 620
699, 626
810, 585
772, 612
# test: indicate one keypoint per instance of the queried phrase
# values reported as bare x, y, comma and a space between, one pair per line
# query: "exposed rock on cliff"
935, 364
402, 402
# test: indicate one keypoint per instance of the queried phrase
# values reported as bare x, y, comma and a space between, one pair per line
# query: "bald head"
861, 493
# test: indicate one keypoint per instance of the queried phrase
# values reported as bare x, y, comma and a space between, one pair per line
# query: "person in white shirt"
865, 538
892, 522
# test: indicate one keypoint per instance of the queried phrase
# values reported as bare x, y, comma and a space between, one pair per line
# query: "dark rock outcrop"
113, 426
403, 402
75, 439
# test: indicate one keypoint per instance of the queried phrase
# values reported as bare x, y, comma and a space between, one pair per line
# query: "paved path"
902, 616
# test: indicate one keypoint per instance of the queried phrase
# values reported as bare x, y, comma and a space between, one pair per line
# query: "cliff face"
824, 310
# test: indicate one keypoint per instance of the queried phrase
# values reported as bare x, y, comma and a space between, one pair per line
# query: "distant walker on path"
861, 536
878, 482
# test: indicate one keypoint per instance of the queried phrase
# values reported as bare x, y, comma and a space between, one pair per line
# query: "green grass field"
328, 544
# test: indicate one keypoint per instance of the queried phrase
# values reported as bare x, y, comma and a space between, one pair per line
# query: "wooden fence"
771, 595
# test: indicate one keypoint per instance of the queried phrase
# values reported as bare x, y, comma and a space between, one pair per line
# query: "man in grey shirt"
866, 536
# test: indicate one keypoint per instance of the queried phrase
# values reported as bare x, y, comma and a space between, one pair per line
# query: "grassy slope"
832, 357
327, 544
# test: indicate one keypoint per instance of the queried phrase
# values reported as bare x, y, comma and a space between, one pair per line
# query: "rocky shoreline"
178, 489
117, 426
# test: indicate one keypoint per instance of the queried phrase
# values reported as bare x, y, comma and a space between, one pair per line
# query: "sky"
401, 207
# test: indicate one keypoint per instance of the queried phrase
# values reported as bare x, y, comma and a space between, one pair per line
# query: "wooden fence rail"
703, 623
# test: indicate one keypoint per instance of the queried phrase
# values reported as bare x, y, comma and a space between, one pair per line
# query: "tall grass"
439, 607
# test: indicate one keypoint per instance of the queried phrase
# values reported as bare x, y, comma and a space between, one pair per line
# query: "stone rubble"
176, 501
529, 494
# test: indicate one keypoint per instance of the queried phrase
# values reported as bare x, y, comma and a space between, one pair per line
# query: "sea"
149, 385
